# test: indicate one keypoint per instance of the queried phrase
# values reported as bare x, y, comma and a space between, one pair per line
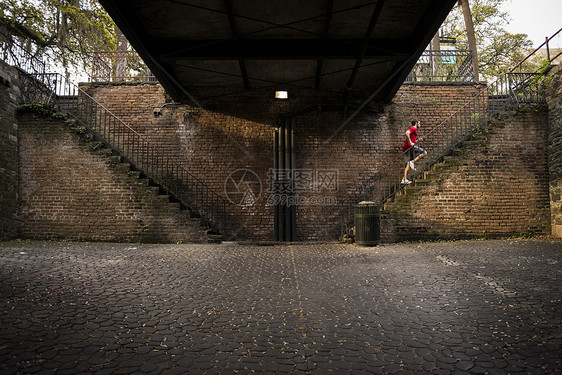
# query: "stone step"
213, 237
193, 218
174, 206
114, 158
164, 197
143, 181
135, 174
155, 190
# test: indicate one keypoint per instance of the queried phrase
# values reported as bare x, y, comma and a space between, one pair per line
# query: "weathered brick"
236, 132
506, 194
554, 99
9, 99
66, 191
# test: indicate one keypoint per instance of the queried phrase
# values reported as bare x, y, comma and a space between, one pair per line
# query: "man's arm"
408, 138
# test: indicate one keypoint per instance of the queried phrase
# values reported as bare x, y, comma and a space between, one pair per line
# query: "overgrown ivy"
541, 78
43, 109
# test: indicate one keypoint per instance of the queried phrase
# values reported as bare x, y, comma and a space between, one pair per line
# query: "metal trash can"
367, 224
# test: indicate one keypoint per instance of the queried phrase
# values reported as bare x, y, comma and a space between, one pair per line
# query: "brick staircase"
131, 148
510, 90
447, 142
490, 185
183, 214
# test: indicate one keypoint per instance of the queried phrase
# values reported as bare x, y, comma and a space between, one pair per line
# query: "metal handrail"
550, 60
508, 90
129, 144
133, 147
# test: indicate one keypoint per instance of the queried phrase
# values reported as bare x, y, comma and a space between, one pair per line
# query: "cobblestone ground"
466, 307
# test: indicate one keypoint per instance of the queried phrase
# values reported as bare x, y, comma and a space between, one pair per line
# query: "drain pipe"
284, 195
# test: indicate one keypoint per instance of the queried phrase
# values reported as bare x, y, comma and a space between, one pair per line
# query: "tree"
122, 46
470, 36
497, 49
63, 31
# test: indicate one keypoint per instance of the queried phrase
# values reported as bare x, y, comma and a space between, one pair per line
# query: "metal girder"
365, 44
357, 45
320, 62
271, 25
280, 49
232, 22
137, 37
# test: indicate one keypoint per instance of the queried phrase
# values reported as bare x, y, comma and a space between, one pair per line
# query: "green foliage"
541, 79
544, 67
43, 109
65, 32
475, 121
498, 50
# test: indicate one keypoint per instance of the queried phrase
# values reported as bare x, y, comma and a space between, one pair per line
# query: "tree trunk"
471, 36
121, 60
435, 56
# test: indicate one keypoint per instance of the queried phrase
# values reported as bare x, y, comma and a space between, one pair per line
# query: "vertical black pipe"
282, 182
290, 182
284, 185
294, 192
274, 186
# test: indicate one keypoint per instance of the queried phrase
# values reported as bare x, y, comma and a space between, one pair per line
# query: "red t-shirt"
413, 136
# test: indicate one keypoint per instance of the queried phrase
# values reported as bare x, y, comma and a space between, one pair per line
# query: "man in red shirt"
412, 153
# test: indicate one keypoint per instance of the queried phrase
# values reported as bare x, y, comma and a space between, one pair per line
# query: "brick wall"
236, 133
9, 99
495, 185
554, 98
69, 192
211, 145
234, 136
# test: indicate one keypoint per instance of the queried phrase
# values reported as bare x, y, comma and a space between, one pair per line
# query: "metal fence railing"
12, 53
443, 66
432, 66
119, 66
132, 146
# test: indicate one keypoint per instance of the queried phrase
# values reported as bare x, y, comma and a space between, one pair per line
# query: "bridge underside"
361, 48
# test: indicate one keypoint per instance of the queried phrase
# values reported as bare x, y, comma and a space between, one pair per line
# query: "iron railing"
547, 48
443, 66
119, 66
129, 144
512, 89
12, 53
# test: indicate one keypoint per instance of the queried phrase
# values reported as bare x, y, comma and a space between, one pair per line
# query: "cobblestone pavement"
461, 307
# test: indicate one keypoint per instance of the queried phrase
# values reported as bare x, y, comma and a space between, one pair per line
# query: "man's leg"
408, 156
422, 153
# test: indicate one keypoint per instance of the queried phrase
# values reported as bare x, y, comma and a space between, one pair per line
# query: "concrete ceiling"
364, 48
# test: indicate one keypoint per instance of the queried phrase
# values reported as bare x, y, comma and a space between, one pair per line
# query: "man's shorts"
413, 153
